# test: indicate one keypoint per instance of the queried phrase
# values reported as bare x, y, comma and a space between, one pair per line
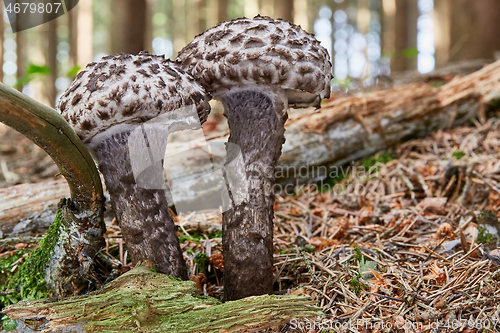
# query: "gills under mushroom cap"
260, 51
123, 90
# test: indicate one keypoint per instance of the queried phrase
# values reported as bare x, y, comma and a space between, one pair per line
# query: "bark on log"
141, 300
29, 209
346, 129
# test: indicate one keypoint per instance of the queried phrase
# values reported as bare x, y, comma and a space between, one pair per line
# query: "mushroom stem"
145, 221
256, 122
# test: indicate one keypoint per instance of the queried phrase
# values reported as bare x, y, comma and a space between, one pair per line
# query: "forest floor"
403, 241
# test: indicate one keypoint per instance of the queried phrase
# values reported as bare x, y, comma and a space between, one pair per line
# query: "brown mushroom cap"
124, 90
260, 51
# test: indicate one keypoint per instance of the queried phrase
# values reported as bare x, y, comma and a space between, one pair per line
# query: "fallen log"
353, 127
141, 300
343, 130
29, 209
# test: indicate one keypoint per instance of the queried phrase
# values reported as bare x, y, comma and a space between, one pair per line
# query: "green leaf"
364, 267
410, 52
73, 71
9, 324
458, 154
35, 69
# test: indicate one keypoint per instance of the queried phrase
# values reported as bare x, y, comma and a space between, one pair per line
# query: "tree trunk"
50, 81
81, 21
21, 55
179, 25
283, 9
301, 14
222, 10
474, 29
442, 31
405, 33
129, 26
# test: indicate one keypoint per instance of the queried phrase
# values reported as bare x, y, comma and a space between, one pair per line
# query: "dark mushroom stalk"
257, 68
107, 102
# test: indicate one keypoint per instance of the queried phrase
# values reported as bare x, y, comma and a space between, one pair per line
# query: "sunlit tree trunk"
179, 25
21, 55
301, 14
50, 80
442, 31
283, 9
268, 8
194, 18
251, 8
129, 26
81, 21
388, 34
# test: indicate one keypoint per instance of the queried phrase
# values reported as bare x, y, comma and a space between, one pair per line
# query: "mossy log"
81, 225
146, 301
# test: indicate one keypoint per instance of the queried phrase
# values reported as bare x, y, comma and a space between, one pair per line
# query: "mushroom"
257, 68
105, 104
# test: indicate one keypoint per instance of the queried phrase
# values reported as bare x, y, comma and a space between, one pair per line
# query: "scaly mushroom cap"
124, 90
260, 51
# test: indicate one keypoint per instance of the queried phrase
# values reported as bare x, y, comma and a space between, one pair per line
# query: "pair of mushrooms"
257, 68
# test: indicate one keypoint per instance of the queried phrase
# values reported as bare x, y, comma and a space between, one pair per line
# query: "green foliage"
33, 72
358, 255
342, 83
370, 162
8, 324
368, 165
72, 72
29, 280
483, 235
458, 154
357, 285
202, 260
6, 265
196, 236
410, 52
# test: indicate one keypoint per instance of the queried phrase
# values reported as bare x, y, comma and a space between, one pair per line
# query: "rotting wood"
352, 127
28, 209
153, 302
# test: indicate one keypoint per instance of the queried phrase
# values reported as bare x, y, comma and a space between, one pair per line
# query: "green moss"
484, 236
458, 154
370, 162
29, 280
358, 255
366, 169
357, 285
6, 264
